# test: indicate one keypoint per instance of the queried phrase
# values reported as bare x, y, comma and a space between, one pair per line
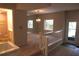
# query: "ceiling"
31, 6
54, 7
42, 8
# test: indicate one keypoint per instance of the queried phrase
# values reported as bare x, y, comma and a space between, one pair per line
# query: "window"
30, 23
72, 29
48, 25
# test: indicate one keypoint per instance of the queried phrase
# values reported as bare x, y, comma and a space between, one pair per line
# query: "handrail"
43, 43
43, 40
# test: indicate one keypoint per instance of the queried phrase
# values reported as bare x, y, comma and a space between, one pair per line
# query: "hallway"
65, 50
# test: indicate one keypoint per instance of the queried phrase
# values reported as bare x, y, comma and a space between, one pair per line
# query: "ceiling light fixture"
38, 19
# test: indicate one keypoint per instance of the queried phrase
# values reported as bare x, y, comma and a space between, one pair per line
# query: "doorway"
71, 32
6, 31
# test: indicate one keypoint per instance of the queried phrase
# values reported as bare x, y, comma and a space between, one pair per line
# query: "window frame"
48, 25
30, 26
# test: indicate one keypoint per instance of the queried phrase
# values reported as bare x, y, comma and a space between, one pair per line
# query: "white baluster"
46, 46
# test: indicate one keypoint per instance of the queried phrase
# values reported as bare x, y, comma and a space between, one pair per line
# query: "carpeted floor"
65, 50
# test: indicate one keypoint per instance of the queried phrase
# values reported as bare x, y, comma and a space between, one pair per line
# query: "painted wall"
19, 23
58, 18
10, 20
3, 23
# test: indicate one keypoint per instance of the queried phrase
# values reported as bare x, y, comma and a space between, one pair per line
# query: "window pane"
72, 25
71, 33
30, 23
48, 25
72, 29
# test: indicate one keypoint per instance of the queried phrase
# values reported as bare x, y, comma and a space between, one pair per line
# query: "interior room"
6, 31
39, 29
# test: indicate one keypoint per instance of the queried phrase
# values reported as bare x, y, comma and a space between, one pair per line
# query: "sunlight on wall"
10, 24
10, 18
3, 26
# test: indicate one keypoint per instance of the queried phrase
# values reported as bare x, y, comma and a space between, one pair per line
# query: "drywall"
20, 27
3, 23
58, 19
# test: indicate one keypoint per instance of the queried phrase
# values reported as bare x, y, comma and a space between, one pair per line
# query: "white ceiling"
31, 6
55, 7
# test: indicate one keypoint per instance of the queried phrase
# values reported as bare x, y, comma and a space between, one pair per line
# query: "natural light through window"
48, 25
72, 29
30, 23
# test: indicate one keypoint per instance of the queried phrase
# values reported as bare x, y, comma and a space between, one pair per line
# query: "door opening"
72, 30
6, 31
